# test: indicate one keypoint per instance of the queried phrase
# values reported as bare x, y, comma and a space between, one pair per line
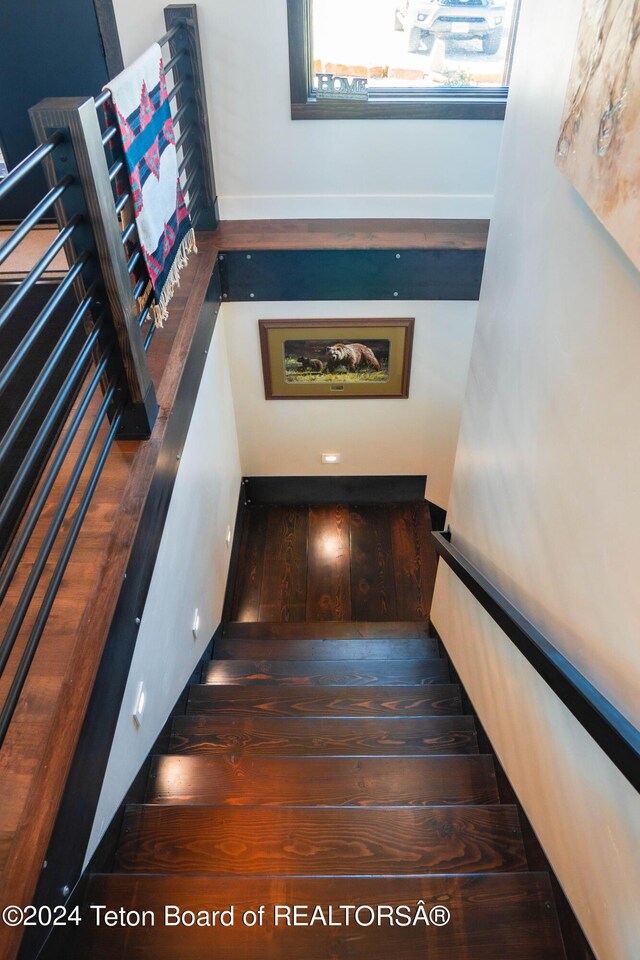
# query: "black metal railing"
74, 330
613, 733
93, 375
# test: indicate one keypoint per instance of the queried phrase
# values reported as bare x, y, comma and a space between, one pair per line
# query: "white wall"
546, 498
268, 166
374, 437
190, 571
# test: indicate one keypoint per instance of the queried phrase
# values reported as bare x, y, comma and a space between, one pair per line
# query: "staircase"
324, 766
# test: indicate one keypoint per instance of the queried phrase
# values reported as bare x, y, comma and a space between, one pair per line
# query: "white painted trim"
445, 206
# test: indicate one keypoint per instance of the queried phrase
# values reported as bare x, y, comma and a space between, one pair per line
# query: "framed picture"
336, 359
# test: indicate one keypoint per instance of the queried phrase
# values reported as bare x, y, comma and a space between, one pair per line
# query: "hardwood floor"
334, 562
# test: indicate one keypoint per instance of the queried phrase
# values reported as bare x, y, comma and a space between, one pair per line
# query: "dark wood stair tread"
321, 781
493, 916
327, 736
326, 673
324, 701
323, 648
303, 841
329, 630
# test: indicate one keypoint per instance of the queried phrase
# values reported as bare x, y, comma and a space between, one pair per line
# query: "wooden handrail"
613, 733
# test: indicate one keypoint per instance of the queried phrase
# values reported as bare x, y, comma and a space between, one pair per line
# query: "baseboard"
354, 490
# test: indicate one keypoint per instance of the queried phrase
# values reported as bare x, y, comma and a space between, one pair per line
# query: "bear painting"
329, 361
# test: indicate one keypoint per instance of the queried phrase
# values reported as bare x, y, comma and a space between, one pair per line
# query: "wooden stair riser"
339, 673
295, 841
230, 700
358, 630
323, 736
369, 781
264, 648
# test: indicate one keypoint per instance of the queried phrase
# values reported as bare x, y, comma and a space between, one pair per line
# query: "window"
441, 59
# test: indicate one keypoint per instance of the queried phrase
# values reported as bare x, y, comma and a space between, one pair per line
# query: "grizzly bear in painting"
307, 363
353, 356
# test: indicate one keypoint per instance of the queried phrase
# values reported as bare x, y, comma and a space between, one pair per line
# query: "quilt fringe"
144, 296
160, 310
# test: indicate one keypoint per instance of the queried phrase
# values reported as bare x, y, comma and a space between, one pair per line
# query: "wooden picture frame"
337, 359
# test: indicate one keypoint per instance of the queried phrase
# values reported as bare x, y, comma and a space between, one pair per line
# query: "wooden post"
193, 98
82, 155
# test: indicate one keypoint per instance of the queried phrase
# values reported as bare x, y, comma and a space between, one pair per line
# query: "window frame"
402, 104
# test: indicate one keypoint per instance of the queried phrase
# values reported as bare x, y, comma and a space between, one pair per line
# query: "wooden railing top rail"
613, 733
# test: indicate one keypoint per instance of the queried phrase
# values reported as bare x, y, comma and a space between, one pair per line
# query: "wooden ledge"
348, 234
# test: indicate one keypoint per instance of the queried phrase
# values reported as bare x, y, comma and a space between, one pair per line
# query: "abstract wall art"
599, 145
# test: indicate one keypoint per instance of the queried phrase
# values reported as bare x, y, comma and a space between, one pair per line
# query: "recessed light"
331, 458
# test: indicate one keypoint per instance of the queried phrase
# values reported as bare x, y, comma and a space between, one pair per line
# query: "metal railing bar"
150, 336
180, 142
193, 202
128, 232
145, 313
105, 95
133, 259
33, 218
102, 98
170, 33
48, 423
122, 202
41, 380
146, 306
170, 64
42, 319
139, 288
37, 568
32, 278
109, 134
115, 169
25, 166
35, 636
189, 181
178, 114
187, 156
175, 90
